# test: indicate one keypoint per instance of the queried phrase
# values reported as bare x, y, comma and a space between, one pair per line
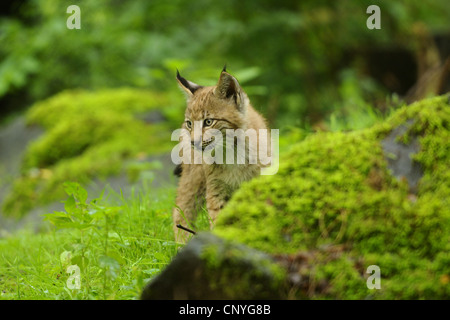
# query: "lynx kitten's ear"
188, 87
228, 87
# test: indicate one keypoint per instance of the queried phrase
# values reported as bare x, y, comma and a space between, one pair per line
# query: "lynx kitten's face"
205, 111
219, 107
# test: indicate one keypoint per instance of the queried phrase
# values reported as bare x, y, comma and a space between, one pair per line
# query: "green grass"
118, 243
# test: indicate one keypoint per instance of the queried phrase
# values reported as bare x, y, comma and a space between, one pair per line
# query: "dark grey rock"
209, 267
399, 156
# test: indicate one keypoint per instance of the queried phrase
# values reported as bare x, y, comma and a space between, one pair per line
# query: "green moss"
336, 188
87, 135
124, 101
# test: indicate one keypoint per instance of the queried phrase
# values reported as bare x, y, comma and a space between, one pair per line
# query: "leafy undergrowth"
111, 246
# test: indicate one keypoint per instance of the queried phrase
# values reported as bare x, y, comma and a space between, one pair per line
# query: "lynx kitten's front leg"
217, 195
190, 197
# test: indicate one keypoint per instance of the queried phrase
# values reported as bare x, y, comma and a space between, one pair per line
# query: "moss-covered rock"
209, 267
88, 135
337, 189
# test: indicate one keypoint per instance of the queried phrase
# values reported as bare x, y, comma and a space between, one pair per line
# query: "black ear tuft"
224, 68
183, 81
187, 85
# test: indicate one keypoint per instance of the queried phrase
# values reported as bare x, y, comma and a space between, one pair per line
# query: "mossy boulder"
339, 190
87, 135
209, 267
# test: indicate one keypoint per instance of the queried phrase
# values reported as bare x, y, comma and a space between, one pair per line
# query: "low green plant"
91, 220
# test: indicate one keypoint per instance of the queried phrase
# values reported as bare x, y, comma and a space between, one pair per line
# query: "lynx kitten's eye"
188, 124
208, 122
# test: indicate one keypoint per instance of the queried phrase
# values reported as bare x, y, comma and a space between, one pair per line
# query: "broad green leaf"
71, 187
81, 195
70, 205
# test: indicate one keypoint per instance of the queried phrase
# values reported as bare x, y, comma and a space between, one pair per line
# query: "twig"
186, 229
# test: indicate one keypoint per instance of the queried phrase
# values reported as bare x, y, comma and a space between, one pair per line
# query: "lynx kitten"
225, 108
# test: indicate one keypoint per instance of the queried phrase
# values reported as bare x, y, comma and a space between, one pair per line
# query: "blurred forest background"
312, 65
300, 61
